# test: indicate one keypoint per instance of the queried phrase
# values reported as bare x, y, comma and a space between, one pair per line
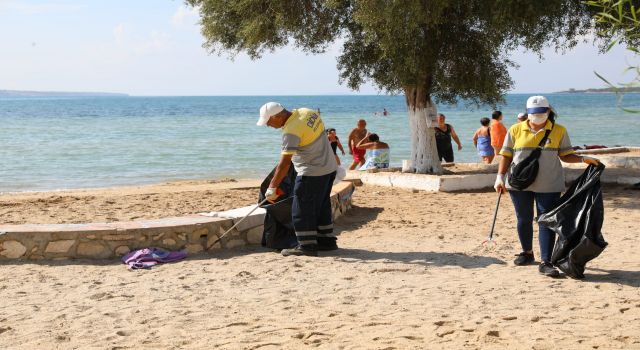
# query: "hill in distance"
603, 90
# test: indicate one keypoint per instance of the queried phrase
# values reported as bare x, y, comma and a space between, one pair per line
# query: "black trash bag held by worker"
278, 226
577, 218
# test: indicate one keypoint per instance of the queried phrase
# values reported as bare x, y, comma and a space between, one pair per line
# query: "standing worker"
304, 143
547, 184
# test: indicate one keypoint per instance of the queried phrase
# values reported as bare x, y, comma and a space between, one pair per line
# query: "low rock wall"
470, 182
107, 240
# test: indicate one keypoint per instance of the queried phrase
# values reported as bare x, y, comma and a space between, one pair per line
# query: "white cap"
537, 104
521, 115
268, 110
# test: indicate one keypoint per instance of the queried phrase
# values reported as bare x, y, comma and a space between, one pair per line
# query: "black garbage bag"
278, 227
577, 218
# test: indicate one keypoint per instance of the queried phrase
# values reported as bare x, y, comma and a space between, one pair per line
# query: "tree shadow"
628, 278
437, 259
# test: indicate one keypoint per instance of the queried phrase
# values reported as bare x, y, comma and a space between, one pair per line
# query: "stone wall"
108, 240
622, 169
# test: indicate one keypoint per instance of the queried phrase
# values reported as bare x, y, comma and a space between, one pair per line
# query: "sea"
87, 142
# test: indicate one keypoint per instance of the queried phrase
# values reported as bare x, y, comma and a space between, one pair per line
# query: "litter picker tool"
490, 239
278, 191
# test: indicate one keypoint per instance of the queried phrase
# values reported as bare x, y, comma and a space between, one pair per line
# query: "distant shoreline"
600, 91
23, 93
40, 94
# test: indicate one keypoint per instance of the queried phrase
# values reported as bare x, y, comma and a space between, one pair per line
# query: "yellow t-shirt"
303, 136
520, 141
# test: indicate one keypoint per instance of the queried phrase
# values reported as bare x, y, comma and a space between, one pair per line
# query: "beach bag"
278, 226
523, 174
577, 218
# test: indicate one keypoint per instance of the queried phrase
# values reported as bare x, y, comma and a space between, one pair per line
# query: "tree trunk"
422, 119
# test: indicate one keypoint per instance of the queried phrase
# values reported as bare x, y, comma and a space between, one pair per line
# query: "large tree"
430, 50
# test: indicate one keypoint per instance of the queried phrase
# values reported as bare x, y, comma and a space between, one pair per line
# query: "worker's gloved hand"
590, 160
271, 194
499, 184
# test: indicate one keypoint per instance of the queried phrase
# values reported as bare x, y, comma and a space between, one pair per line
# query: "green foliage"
619, 21
446, 49
256, 26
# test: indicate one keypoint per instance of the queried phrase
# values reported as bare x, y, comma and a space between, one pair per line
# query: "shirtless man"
355, 136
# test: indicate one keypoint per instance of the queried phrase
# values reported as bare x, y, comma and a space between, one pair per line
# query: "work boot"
327, 247
524, 258
327, 244
299, 251
547, 269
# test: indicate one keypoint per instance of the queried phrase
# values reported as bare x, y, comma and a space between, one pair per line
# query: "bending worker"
304, 143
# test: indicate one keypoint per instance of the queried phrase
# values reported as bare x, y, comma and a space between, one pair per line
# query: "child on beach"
482, 141
335, 143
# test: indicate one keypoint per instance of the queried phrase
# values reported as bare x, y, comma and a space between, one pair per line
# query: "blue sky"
154, 47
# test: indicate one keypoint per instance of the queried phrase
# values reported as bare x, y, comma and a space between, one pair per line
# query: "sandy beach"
410, 275
126, 203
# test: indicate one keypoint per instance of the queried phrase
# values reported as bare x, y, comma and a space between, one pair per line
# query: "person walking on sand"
356, 135
498, 132
482, 141
379, 155
335, 143
444, 134
521, 140
304, 144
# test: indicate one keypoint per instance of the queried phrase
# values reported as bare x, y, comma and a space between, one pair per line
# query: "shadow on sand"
348, 255
418, 258
356, 218
212, 255
628, 278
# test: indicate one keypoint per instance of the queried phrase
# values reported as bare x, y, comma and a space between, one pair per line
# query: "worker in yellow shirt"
548, 183
305, 145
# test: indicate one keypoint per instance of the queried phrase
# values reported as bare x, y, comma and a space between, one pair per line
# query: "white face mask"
538, 118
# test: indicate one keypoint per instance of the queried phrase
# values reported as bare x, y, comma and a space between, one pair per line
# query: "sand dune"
410, 275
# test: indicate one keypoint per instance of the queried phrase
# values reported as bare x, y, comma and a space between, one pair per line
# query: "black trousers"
311, 211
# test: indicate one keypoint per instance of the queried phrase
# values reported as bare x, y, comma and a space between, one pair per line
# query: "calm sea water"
58, 143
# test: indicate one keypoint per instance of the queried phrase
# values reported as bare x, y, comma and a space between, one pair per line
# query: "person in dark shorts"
444, 134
